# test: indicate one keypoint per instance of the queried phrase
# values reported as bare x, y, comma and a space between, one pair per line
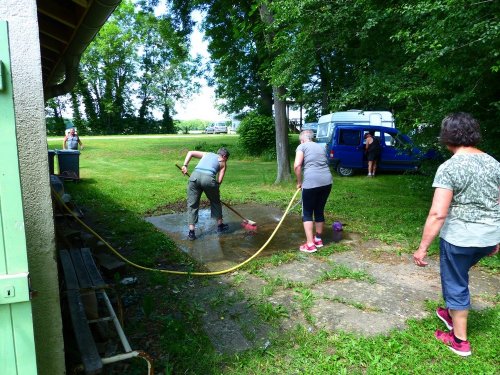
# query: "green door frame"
17, 344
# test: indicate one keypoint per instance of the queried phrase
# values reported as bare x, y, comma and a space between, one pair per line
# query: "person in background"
465, 212
310, 158
72, 140
206, 178
373, 150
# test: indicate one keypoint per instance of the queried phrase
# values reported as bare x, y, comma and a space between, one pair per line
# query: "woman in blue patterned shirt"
465, 212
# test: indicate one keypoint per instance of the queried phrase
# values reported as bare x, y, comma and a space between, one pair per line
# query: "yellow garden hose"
59, 199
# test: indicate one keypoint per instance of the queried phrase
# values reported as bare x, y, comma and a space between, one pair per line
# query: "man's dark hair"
460, 129
223, 152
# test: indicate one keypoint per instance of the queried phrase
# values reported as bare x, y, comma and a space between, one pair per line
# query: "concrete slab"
388, 267
229, 319
307, 271
334, 316
288, 299
225, 334
403, 302
247, 283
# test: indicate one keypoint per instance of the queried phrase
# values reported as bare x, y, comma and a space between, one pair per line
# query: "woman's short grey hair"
460, 129
223, 152
306, 135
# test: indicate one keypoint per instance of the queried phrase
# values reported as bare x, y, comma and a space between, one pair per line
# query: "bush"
257, 134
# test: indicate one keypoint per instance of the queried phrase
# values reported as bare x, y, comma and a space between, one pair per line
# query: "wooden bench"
80, 273
81, 276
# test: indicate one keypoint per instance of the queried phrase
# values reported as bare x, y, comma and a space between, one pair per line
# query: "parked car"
220, 129
346, 149
216, 128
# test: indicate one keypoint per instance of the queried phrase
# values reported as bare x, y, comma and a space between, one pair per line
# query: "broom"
247, 224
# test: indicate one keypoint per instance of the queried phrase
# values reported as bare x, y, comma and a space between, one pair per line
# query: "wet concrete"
218, 251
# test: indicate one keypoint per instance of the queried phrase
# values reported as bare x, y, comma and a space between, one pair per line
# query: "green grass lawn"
126, 178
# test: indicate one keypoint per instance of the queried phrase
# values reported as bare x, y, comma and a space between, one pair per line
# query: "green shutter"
17, 347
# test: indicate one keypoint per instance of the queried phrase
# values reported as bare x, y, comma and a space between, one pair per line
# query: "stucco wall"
32, 144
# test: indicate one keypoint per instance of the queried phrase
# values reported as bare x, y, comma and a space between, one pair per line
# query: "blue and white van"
346, 149
327, 123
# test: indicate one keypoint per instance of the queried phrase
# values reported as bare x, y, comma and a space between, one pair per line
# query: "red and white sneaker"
447, 338
445, 316
318, 242
307, 248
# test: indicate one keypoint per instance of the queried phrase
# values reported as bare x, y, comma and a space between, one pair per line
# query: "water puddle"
219, 251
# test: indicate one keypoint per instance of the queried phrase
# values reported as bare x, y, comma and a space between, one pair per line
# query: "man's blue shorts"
455, 263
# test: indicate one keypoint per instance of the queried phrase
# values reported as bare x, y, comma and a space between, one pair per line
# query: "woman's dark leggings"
313, 203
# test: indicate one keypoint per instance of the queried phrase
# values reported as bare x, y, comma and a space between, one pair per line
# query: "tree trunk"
280, 121
284, 173
266, 99
167, 121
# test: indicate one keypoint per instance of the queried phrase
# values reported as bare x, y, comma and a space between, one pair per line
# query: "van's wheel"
345, 172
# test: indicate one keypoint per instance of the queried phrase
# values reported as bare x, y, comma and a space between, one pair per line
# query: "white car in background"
216, 128
220, 129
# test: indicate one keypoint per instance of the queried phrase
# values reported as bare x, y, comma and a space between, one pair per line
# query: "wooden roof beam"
63, 12
55, 31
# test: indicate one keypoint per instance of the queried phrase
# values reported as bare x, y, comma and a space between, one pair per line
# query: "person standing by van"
310, 158
465, 212
373, 150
